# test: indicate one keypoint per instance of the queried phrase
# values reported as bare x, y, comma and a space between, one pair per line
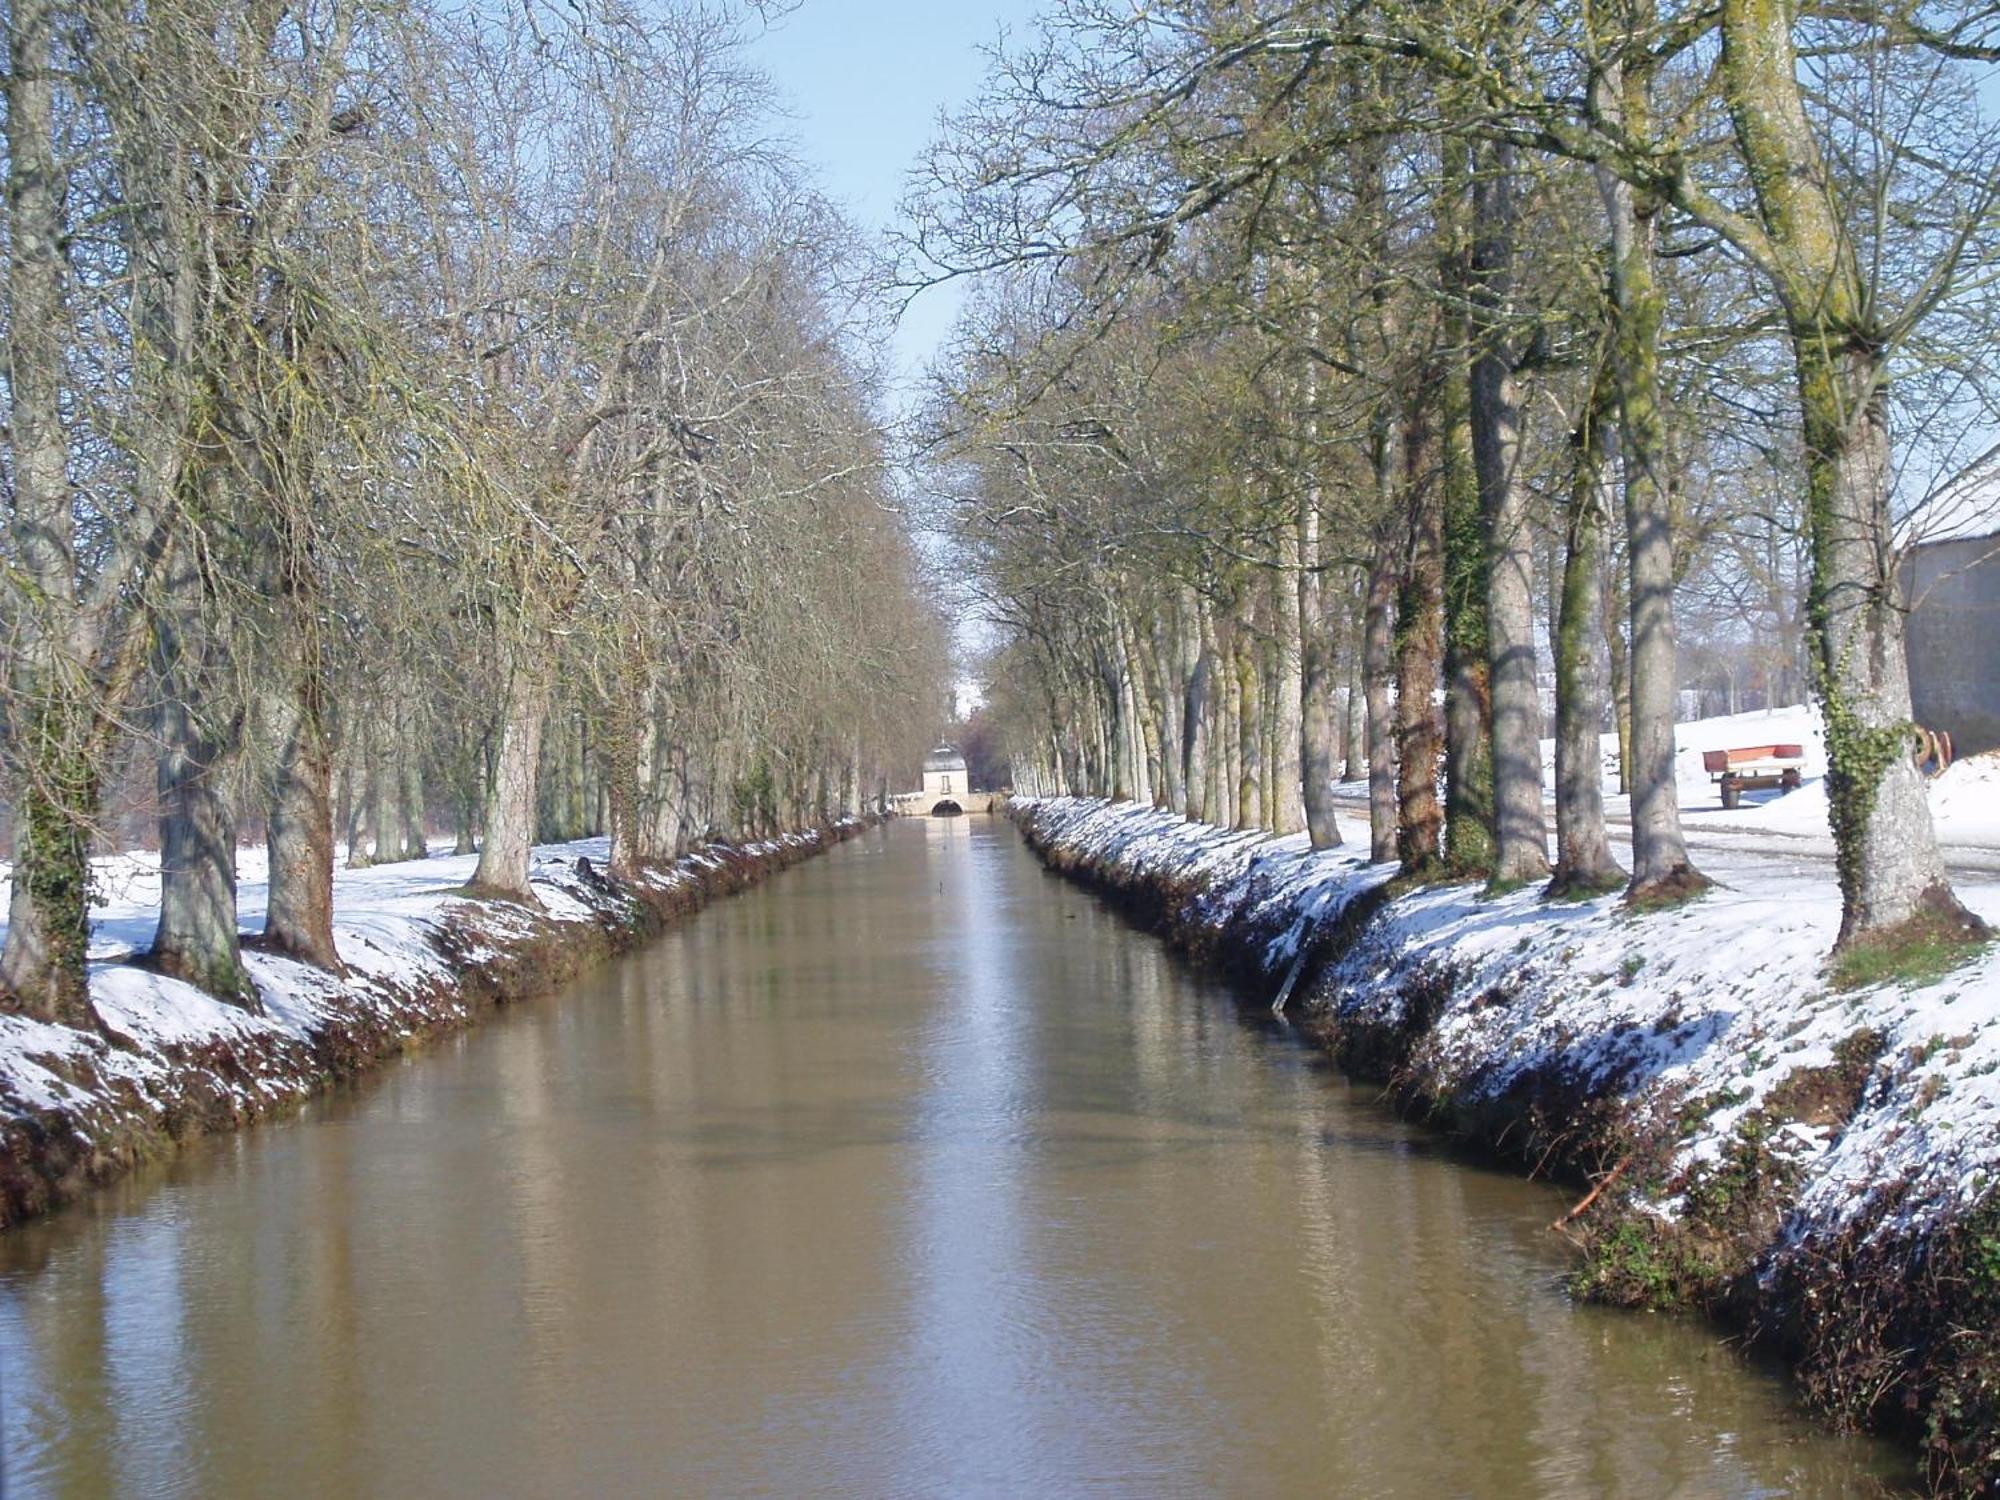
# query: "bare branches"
478, 370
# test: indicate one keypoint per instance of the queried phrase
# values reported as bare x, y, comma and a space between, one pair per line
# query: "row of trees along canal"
1307, 330
416, 406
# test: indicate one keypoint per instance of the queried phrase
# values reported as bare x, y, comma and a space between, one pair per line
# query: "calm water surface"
913, 1172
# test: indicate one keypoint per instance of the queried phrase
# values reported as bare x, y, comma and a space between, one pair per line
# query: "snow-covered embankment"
78, 1108
1814, 1165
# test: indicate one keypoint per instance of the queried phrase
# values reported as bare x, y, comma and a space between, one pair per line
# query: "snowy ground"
1965, 800
1719, 1002
387, 922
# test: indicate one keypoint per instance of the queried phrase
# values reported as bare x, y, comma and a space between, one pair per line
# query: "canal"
913, 1172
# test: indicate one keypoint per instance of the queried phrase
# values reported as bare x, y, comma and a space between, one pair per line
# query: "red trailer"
1754, 767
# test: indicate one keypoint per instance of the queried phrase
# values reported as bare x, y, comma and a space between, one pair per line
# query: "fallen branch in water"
1298, 967
1591, 1197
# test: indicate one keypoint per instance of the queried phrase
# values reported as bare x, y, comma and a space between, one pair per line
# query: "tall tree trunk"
1660, 865
1138, 708
1583, 856
1249, 735
1520, 826
410, 775
1221, 742
694, 808
1287, 705
669, 805
600, 798
576, 778
1187, 662
628, 783
1419, 654
1885, 845
1616, 613
298, 829
343, 797
1268, 740
1198, 716
1353, 711
632, 770
1161, 650
1111, 693
1468, 697
42, 967
1317, 664
385, 832
510, 805
1379, 670
76, 646
1093, 749
1385, 457
354, 821
196, 938
1891, 873
52, 783
1228, 734
1318, 721
1468, 702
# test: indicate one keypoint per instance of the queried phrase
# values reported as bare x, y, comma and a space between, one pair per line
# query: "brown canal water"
913, 1172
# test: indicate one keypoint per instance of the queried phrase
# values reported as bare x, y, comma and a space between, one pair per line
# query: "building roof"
1963, 512
944, 758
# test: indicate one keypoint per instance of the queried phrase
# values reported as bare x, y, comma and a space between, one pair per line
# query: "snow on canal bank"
1815, 1165
1722, 1000
77, 1107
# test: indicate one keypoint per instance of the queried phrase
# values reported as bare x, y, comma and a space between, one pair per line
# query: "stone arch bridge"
947, 805
947, 790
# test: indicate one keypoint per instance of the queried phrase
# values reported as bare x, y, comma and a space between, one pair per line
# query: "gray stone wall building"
1954, 638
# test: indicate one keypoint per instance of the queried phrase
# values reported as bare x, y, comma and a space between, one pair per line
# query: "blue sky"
864, 81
